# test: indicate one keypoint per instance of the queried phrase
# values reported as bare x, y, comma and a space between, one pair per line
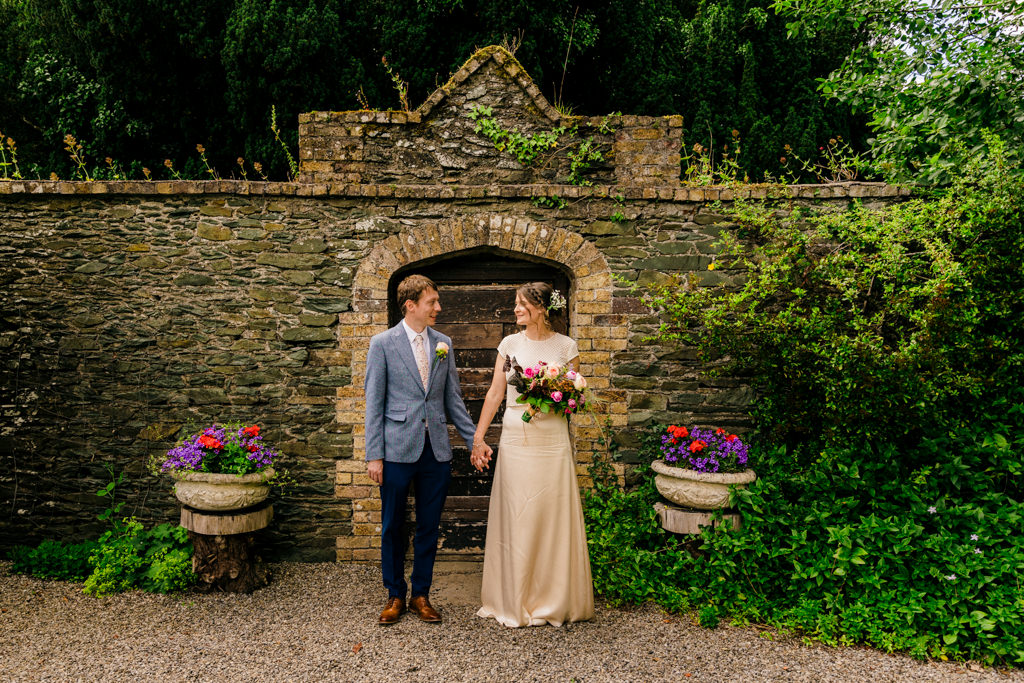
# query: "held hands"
481, 456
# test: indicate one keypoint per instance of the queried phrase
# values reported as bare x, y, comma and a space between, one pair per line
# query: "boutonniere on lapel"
440, 352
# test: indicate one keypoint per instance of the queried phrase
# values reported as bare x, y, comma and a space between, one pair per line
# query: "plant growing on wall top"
529, 149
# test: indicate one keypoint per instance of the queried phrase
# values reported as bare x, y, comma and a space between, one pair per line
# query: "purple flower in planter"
229, 449
704, 449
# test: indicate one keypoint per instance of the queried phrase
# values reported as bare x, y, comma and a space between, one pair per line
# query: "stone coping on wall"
392, 117
851, 189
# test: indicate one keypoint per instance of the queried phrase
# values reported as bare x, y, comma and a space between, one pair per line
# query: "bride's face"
527, 313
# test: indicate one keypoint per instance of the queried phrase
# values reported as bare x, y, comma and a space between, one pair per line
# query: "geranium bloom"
678, 432
251, 431
697, 446
209, 442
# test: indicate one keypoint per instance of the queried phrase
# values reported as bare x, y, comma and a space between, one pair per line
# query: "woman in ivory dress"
536, 565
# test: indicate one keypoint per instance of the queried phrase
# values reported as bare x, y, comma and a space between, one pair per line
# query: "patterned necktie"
421, 358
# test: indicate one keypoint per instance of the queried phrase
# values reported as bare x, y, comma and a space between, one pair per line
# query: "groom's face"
423, 312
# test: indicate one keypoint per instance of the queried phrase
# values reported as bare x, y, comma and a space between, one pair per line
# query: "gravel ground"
317, 622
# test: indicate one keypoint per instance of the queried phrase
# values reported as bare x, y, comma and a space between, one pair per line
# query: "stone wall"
436, 143
129, 309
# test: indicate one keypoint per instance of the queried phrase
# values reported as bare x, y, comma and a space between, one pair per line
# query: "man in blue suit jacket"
407, 439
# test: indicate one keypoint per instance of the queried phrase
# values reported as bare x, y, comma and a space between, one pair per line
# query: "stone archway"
596, 329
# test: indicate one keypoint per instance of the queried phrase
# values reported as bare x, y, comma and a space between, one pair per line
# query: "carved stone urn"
221, 492
700, 490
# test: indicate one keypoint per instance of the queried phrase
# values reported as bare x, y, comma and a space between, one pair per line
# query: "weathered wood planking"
473, 335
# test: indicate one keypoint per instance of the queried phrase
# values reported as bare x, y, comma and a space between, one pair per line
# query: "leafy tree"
149, 79
295, 55
932, 76
870, 325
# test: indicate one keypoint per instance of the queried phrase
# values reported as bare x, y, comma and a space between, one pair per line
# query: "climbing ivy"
528, 150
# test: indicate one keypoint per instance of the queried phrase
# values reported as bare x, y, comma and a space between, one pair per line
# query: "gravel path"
317, 622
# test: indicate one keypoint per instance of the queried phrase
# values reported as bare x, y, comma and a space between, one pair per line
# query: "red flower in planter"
678, 432
697, 446
252, 431
208, 441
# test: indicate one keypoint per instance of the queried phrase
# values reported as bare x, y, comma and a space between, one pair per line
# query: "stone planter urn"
700, 490
221, 492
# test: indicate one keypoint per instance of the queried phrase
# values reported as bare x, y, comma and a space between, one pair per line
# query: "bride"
536, 565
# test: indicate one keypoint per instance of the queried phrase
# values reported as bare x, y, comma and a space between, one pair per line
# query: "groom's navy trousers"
429, 479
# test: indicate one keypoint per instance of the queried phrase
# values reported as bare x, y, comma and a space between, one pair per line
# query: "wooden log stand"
680, 520
225, 557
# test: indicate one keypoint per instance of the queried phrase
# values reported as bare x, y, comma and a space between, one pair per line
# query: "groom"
412, 389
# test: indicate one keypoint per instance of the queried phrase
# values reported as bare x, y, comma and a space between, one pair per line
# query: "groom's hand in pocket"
375, 470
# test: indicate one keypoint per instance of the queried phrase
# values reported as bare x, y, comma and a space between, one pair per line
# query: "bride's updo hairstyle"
543, 296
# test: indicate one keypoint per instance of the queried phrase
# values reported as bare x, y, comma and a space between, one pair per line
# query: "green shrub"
54, 560
892, 324
158, 560
854, 549
886, 351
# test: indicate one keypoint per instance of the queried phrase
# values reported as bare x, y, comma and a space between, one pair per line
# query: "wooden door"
477, 297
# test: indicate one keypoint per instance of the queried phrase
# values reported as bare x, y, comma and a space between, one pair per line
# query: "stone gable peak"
493, 74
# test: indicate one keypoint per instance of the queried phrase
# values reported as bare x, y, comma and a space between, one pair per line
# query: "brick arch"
598, 332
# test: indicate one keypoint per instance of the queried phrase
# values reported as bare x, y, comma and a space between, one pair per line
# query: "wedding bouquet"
548, 388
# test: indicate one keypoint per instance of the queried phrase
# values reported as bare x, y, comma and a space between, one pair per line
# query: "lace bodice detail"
557, 349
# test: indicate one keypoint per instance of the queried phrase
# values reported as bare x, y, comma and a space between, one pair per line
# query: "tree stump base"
680, 520
225, 555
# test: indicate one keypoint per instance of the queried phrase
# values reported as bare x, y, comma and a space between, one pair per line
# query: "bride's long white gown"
536, 565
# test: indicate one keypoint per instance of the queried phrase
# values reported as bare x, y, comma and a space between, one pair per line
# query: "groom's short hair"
412, 288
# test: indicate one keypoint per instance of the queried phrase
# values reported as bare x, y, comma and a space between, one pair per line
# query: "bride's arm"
495, 395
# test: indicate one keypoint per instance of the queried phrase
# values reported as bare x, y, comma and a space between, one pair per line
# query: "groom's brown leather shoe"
421, 606
392, 611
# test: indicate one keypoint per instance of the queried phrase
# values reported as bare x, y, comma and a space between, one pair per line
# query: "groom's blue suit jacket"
399, 413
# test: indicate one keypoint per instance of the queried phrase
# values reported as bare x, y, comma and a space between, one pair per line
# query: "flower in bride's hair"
557, 301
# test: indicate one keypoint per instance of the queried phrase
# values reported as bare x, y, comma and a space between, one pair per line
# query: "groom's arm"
454, 405
375, 389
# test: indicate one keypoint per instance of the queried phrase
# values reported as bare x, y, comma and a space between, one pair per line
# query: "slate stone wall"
437, 143
129, 309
